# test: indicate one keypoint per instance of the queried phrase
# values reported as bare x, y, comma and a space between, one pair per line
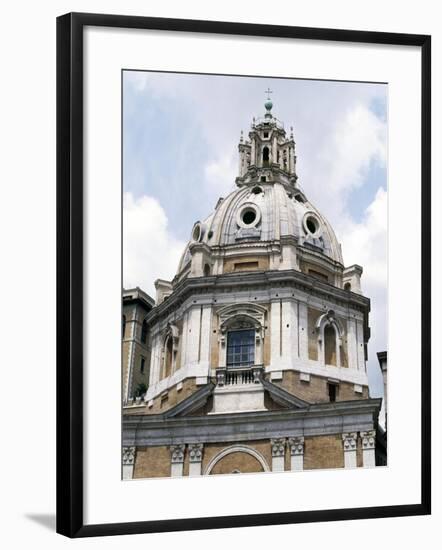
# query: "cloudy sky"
180, 139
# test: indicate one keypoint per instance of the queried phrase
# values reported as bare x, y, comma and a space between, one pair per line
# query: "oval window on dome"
197, 232
312, 224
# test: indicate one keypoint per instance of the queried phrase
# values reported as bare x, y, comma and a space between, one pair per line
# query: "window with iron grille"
240, 348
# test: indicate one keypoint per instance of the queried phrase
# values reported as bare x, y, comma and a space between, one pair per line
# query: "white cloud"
365, 243
221, 172
342, 161
150, 252
358, 139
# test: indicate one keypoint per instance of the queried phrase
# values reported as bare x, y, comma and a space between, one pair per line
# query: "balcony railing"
232, 376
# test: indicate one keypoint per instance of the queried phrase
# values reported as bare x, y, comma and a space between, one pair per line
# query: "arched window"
241, 335
206, 270
124, 325
347, 287
265, 156
329, 345
330, 333
169, 351
144, 332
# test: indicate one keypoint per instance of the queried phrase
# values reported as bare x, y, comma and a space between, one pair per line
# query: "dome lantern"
269, 154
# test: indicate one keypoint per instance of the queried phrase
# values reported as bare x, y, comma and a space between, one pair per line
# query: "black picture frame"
70, 272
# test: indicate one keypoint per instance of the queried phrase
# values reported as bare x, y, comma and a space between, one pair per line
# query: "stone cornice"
318, 419
209, 285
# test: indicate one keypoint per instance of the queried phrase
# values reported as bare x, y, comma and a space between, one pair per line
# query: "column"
177, 460
195, 458
128, 460
350, 445
368, 449
296, 453
278, 454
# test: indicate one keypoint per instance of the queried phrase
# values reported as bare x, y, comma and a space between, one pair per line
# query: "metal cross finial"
268, 92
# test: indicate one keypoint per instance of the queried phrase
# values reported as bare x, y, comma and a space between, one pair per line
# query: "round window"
312, 225
248, 216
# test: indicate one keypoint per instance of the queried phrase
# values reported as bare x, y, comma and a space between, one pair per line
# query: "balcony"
234, 376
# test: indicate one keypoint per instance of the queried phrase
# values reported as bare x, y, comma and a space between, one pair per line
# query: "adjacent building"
135, 344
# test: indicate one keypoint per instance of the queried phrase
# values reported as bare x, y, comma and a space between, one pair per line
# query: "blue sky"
180, 140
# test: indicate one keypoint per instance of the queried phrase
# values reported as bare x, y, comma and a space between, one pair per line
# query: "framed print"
243, 274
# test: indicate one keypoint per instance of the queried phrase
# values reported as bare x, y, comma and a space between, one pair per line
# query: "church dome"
265, 213
267, 223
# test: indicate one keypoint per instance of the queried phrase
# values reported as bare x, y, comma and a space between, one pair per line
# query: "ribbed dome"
263, 213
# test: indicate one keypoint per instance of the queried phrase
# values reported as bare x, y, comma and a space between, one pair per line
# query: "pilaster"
278, 454
128, 462
296, 445
368, 448
349, 441
177, 460
195, 458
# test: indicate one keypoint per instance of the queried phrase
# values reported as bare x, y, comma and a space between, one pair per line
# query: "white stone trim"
237, 449
342, 374
190, 371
